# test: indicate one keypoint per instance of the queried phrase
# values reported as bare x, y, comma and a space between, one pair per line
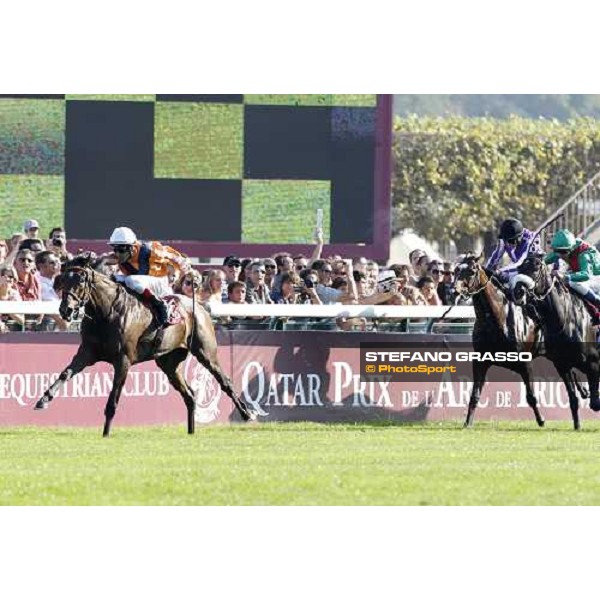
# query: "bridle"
540, 275
88, 285
469, 292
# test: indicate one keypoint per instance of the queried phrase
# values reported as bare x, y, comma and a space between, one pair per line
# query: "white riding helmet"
122, 235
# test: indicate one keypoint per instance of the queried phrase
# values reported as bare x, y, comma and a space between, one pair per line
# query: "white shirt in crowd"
48, 293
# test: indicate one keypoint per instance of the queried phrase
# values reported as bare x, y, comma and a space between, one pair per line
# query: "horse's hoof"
252, 416
41, 404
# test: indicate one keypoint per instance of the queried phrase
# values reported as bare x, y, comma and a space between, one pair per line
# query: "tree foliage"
550, 106
459, 177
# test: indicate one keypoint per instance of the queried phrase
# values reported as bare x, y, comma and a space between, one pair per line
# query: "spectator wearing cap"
31, 228
27, 282
258, 291
232, 267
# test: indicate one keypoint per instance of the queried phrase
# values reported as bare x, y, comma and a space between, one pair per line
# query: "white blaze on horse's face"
71, 301
518, 285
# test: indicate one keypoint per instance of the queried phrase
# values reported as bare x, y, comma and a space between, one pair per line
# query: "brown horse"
119, 329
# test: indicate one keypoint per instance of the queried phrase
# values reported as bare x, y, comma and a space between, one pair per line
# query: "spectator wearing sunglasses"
446, 290
258, 291
326, 292
232, 266
270, 271
28, 283
184, 287
48, 266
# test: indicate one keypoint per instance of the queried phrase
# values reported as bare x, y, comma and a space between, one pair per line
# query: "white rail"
284, 310
29, 308
340, 310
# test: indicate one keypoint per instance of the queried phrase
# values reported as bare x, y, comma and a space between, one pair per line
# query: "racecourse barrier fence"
295, 317
285, 376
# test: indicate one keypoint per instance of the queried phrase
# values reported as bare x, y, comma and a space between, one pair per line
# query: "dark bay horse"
570, 337
500, 326
119, 329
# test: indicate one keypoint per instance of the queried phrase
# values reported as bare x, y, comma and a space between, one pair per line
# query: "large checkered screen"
213, 168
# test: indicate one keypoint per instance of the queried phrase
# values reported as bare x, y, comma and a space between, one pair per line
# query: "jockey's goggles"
122, 249
514, 240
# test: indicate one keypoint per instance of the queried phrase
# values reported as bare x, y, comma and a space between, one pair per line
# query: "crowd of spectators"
29, 266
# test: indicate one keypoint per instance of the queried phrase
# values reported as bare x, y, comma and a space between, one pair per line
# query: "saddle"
593, 310
175, 310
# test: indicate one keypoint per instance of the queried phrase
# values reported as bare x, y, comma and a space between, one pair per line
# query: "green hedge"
457, 178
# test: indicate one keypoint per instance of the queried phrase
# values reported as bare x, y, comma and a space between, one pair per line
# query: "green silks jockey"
584, 264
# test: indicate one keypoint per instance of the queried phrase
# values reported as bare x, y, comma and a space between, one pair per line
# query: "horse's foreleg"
170, 365
480, 370
573, 399
525, 373
121, 370
80, 361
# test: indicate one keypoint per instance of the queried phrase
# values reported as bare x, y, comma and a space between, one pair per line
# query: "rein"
87, 290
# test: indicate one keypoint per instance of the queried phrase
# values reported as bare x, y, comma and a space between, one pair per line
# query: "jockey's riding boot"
592, 298
161, 312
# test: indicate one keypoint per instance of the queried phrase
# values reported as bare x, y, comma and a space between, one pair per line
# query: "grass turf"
307, 464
